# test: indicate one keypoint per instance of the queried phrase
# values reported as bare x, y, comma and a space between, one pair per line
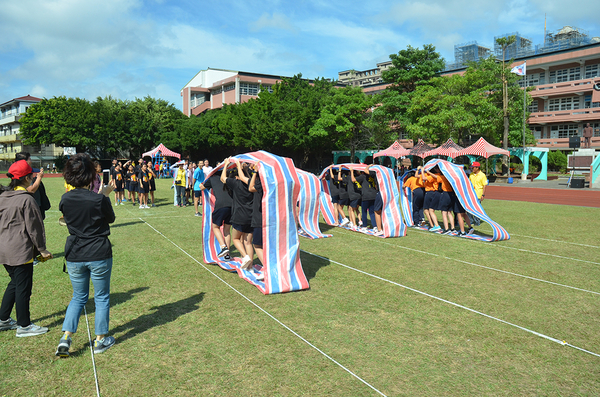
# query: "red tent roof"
449, 149
420, 149
396, 151
163, 150
483, 149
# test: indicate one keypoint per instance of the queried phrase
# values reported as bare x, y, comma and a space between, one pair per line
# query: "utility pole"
504, 42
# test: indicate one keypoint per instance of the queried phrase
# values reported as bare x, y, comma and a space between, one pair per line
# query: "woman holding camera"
21, 237
88, 251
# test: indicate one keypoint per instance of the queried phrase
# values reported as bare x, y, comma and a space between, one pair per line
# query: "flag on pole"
520, 70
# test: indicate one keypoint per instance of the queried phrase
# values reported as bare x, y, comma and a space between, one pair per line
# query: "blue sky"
137, 48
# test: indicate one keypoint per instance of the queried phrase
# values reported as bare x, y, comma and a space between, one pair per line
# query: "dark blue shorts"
243, 228
343, 201
222, 216
143, 188
335, 199
445, 203
257, 237
432, 199
133, 186
456, 205
354, 203
378, 202
197, 193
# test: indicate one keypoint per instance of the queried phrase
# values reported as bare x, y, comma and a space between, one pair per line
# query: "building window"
229, 87
537, 132
592, 71
533, 80
248, 89
559, 76
533, 108
564, 131
218, 91
266, 87
587, 102
563, 104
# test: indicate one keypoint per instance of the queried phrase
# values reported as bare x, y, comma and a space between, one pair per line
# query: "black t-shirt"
241, 210
333, 185
132, 177
257, 204
88, 216
222, 197
352, 188
368, 184
343, 188
141, 176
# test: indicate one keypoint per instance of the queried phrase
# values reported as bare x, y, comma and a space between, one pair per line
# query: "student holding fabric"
255, 187
368, 182
221, 215
432, 198
418, 195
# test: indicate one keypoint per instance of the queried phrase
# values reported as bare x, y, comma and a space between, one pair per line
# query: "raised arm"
224, 170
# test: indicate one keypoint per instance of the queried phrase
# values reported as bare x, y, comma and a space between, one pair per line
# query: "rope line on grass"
560, 342
556, 241
487, 267
265, 312
92, 351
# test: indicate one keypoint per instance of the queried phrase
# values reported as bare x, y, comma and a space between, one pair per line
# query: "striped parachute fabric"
391, 216
308, 205
281, 268
465, 194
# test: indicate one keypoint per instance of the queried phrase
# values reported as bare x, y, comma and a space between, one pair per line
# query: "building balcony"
9, 119
565, 116
576, 87
201, 108
9, 138
563, 143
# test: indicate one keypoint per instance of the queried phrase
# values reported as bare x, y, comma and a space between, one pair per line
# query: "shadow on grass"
125, 224
162, 315
311, 264
325, 227
115, 299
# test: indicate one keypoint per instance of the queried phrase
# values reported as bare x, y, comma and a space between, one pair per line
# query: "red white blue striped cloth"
465, 194
282, 268
391, 216
308, 205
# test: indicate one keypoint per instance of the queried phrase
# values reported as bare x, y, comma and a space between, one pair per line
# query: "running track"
578, 197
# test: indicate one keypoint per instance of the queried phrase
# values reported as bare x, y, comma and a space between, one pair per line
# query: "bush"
557, 161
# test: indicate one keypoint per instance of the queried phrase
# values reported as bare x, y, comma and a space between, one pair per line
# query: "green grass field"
189, 329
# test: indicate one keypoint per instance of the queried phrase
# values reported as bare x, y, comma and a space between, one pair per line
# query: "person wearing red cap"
22, 237
479, 182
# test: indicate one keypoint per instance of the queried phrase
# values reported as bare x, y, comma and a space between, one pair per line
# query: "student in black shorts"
241, 211
133, 183
221, 215
368, 182
343, 192
143, 186
117, 176
255, 187
334, 188
152, 184
354, 197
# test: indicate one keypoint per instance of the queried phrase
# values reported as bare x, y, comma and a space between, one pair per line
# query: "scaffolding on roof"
565, 38
520, 48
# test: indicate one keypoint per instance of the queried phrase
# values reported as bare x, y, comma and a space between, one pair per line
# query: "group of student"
352, 189
431, 192
237, 212
135, 179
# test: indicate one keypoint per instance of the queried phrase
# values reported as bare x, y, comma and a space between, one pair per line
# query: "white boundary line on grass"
556, 241
485, 267
522, 249
456, 305
264, 311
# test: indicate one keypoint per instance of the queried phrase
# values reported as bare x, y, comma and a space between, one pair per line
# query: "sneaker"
146, 207
344, 222
155, 206
116, 204
124, 200
350, 225
448, 231
435, 229
246, 263
141, 207
102, 345
198, 214
375, 230
359, 223
260, 276
121, 203
5, 325
30, 330
224, 251
226, 258
471, 230
462, 234
63, 346
379, 233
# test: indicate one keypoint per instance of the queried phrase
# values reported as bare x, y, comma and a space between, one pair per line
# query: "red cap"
475, 164
19, 169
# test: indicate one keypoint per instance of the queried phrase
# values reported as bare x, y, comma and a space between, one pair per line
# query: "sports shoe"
471, 230
224, 251
5, 325
359, 223
116, 204
30, 330
260, 276
121, 203
197, 214
102, 345
448, 231
226, 258
63, 346
141, 207
379, 233
435, 229
375, 230
155, 206
462, 234
146, 207
246, 263
344, 222
350, 225
124, 200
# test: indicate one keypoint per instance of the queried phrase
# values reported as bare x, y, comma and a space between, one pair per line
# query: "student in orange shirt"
432, 197
418, 194
446, 204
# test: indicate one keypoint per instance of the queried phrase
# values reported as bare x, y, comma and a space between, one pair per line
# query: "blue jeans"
80, 274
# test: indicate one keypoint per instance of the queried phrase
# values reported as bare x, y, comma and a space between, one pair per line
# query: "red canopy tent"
420, 149
483, 149
163, 150
395, 151
448, 149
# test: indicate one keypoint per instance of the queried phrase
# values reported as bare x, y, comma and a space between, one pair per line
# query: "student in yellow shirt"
479, 182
